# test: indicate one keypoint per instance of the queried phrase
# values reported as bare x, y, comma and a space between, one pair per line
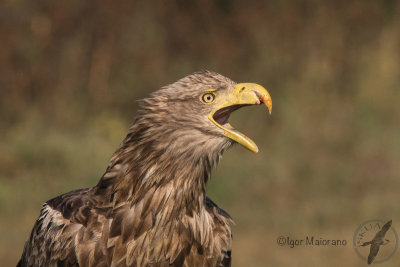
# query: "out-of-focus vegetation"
71, 72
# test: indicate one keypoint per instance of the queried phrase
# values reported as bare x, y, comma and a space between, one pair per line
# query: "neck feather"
167, 166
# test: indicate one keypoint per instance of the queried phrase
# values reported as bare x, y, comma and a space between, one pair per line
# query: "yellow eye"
208, 98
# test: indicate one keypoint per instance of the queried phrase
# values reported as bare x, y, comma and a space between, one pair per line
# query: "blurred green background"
71, 72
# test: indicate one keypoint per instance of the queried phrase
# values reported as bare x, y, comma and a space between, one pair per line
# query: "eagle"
150, 206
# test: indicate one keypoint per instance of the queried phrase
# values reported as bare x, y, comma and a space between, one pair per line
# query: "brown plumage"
150, 206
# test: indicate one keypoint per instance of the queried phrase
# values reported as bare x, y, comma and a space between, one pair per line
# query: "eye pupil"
208, 98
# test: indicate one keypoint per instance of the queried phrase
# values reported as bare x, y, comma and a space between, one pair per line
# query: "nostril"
242, 89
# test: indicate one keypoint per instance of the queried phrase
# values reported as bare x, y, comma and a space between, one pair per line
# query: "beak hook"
266, 99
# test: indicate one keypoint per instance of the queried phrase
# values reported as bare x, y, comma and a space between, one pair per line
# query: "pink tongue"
228, 126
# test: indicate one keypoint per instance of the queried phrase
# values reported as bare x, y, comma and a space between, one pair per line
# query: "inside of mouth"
221, 116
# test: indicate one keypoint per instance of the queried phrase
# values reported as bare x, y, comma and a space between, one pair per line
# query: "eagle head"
195, 109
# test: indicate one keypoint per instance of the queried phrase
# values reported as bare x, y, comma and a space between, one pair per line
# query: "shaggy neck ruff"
166, 162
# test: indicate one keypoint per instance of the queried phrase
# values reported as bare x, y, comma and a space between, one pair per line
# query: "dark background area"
71, 72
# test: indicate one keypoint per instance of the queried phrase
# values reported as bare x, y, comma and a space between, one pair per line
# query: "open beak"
243, 94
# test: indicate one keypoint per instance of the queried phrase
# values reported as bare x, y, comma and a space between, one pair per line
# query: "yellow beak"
241, 95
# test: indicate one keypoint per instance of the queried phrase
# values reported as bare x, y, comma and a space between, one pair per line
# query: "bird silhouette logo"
376, 234
377, 242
